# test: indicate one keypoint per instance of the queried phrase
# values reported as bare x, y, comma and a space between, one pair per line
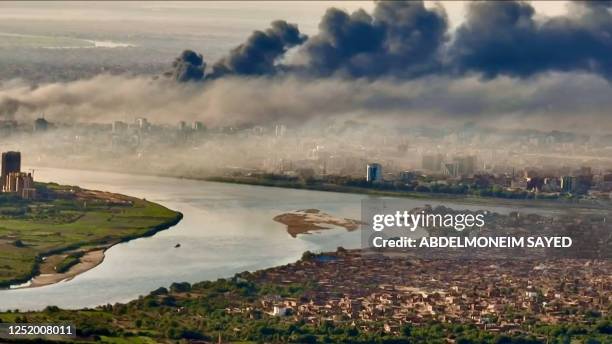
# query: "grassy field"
69, 219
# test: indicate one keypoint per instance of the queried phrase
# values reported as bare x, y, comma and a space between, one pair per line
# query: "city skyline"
385, 172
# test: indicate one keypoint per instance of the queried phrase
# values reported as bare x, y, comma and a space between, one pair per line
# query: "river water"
227, 228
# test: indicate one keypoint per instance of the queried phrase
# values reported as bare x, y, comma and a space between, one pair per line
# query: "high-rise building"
451, 169
432, 162
198, 126
568, 183
535, 184
551, 185
280, 130
374, 173
20, 183
466, 165
41, 125
583, 183
142, 124
11, 162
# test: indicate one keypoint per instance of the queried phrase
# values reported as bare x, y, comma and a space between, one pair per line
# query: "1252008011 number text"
36, 330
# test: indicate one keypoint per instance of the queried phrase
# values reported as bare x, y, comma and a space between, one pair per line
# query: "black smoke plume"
406, 40
399, 38
258, 55
189, 66
504, 38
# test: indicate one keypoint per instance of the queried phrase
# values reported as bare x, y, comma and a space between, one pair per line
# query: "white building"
280, 130
280, 311
142, 123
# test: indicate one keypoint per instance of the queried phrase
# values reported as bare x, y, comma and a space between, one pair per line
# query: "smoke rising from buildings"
507, 88
408, 40
504, 38
189, 66
257, 56
399, 64
557, 101
402, 39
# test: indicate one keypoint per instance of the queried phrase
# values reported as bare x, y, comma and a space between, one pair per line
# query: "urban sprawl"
381, 293
466, 161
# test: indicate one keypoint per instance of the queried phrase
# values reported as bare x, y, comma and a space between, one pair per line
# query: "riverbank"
227, 229
92, 257
49, 276
440, 197
288, 304
66, 232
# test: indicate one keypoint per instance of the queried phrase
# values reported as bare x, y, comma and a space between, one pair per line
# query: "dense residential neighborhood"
367, 290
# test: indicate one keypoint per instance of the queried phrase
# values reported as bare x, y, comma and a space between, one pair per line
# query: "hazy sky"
305, 13
211, 28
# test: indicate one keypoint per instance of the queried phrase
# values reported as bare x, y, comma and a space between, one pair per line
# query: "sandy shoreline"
92, 257
48, 276
297, 222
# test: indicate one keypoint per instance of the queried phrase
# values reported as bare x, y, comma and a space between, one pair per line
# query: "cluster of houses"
378, 292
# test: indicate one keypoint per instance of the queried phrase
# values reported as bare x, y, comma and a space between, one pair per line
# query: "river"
227, 228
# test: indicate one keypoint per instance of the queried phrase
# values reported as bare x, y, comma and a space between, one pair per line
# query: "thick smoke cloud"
504, 38
408, 71
8, 108
408, 40
545, 102
189, 66
257, 56
399, 38
600, 4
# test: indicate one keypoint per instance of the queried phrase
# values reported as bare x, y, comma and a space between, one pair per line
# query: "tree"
604, 327
307, 255
182, 287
